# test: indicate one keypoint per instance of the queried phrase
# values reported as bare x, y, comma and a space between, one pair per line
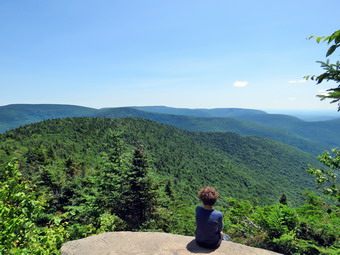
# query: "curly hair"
208, 195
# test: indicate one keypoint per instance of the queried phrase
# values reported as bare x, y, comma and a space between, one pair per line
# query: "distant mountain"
322, 132
309, 115
214, 124
326, 132
15, 115
245, 167
217, 112
312, 137
237, 112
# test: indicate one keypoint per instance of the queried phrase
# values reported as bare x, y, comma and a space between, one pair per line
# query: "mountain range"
312, 137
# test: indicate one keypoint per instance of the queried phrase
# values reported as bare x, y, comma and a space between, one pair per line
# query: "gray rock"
150, 243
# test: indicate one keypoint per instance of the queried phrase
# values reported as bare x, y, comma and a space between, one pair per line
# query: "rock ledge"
150, 243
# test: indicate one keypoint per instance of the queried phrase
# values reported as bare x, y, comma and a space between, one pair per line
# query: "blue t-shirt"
208, 225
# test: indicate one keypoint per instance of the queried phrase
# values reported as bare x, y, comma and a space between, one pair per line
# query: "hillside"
239, 166
79, 177
16, 115
216, 124
323, 132
312, 137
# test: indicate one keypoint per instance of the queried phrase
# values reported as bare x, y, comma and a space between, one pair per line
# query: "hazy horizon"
184, 54
297, 112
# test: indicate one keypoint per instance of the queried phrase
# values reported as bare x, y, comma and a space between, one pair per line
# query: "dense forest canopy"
312, 137
82, 176
241, 166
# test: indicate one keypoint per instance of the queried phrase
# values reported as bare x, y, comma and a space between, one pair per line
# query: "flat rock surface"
149, 243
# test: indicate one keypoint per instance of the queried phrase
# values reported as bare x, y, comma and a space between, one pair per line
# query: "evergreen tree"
110, 176
140, 195
283, 199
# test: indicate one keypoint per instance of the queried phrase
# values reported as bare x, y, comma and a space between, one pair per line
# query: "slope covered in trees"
243, 167
324, 132
292, 131
15, 115
77, 177
217, 124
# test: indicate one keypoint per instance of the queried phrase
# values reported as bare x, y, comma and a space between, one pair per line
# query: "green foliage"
177, 217
237, 222
108, 223
283, 200
326, 178
78, 149
332, 71
310, 229
94, 186
277, 220
20, 210
94, 175
140, 193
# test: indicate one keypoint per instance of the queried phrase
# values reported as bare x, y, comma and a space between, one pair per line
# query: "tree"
332, 71
140, 195
283, 199
109, 179
326, 178
20, 209
97, 200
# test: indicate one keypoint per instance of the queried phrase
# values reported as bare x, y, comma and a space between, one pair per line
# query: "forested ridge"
220, 124
310, 130
312, 137
64, 179
243, 167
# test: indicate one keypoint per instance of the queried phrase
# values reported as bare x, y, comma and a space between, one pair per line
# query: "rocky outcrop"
150, 243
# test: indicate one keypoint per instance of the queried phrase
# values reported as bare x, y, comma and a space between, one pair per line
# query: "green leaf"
337, 39
336, 36
331, 50
318, 39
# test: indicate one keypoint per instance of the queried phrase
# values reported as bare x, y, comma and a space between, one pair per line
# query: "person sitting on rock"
208, 221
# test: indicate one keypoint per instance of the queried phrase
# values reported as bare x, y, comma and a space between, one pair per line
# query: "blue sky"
188, 53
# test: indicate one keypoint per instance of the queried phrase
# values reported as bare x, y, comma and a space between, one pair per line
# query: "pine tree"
140, 195
283, 199
109, 179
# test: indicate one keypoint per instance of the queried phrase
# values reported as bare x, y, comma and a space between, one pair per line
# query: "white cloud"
291, 98
240, 84
297, 81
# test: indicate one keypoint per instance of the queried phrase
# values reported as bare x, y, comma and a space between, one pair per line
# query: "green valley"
64, 179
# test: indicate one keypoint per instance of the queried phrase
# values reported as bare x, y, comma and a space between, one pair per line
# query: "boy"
208, 221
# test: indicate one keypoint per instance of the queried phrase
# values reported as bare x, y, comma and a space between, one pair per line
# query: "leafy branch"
332, 71
326, 179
